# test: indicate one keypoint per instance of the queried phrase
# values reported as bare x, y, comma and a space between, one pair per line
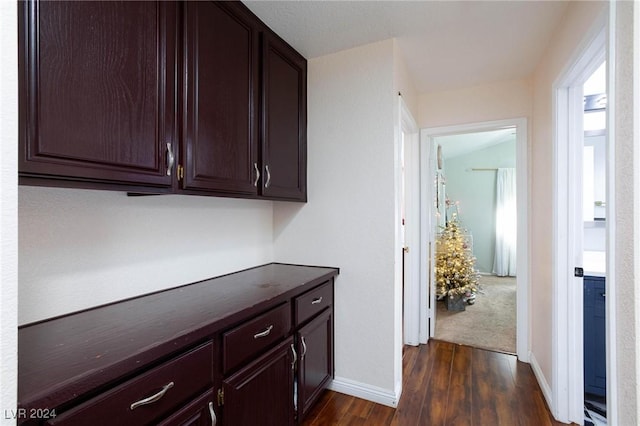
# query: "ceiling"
445, 44
459, 144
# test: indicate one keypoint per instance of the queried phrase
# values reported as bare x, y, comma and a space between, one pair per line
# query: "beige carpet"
490, 323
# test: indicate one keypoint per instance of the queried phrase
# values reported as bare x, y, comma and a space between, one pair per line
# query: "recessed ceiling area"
460, 144
445, 44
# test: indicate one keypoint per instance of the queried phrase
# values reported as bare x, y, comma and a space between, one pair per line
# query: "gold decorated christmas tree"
455, 264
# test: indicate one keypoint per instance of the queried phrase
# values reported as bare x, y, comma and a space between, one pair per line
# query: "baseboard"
365, 391
542, 381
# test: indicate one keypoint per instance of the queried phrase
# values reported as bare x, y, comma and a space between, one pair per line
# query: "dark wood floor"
447, 384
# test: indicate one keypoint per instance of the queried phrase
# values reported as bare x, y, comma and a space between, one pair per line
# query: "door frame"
567, 387
428, 150
409, 138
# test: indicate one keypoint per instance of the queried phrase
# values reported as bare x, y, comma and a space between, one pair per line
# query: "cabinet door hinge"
180, 172
220, 397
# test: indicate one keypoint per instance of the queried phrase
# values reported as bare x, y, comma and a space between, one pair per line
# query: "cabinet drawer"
313, 302
165, 388
253, 336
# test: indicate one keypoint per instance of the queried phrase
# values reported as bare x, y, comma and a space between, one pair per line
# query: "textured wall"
81, 248
349, 219
8, 208
564, 46
627, 217
476, 192
495, 101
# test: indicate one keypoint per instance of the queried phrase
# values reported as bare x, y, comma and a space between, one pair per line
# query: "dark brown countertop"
64, 357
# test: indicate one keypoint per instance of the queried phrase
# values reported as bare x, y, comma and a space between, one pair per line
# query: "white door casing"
412, 255
428, 173
567, 387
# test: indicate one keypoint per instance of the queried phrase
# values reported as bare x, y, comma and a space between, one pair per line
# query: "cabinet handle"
152, 398
603, 294
304, 348
263, 333
214, 420
255, 166
266, 185
171, 158
295, 357
316, 300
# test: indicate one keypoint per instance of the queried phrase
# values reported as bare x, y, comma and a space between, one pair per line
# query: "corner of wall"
8, 209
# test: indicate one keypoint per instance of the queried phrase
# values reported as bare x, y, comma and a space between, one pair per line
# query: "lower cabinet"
261, 393
315, 368
261, 361
158, 394
200, 412
595, 352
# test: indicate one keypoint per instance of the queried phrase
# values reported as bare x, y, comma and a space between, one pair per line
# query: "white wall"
402, 81
82, 248
564, 45
626, 264
8, 207
349, 219
476, 192
490, 102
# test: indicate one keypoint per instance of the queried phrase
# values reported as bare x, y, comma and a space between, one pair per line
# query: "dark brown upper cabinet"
97, 102
160, 97
220, 104
284, 121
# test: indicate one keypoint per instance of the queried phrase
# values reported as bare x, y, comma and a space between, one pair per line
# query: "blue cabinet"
595, 360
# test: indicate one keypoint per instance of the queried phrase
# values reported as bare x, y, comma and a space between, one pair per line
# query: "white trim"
567, 389
412, 287
542, 381
427, 237
611, 286
365, 391
403, 121
427, 137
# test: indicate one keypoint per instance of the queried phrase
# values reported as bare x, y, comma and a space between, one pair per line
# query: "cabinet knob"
171, 158
266, 168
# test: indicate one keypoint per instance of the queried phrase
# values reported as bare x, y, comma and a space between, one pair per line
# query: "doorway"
594, 183
409, 224
477, 197
581, 236
431, 183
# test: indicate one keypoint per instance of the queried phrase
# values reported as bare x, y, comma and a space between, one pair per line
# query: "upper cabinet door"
284, 120
97, 102
220, 131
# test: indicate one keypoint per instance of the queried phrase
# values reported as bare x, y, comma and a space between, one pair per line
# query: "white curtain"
504, 263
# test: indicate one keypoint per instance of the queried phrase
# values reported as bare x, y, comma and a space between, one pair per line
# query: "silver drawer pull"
263, 333
255, 166
266, 185
171, 158
212, 413
304, 348
316, 300
152, 398
295, 357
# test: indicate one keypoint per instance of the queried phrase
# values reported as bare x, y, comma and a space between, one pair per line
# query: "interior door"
411, 243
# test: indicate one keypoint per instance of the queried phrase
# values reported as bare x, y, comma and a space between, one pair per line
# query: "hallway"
447, 384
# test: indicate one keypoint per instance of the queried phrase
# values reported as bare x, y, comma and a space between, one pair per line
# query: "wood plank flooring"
447, 384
